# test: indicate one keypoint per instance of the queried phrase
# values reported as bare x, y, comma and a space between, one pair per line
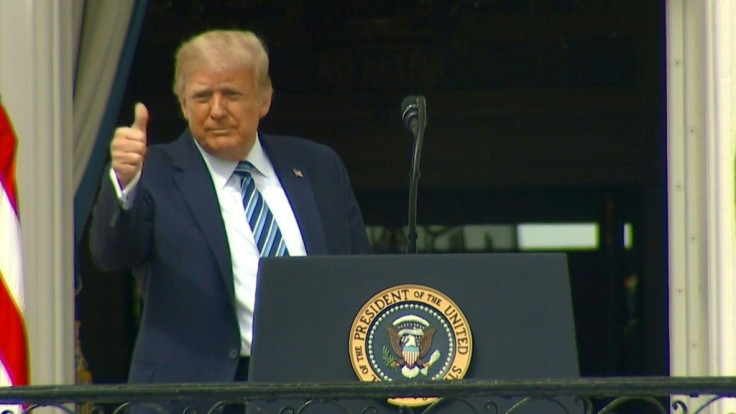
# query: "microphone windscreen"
409, 111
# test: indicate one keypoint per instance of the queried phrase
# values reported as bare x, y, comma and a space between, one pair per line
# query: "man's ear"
266, 104
183, 105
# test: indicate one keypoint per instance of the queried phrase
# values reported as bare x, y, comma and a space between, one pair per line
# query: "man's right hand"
128, 147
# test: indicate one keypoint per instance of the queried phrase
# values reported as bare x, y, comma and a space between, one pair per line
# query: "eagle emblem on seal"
410, 337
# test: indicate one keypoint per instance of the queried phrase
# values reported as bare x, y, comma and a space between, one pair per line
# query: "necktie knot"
244, 169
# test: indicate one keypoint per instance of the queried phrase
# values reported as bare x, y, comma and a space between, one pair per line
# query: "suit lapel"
295, 179
195, 184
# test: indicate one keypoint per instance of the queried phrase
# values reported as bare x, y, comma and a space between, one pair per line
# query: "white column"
702, 216
36, 88
720, 106
686, 187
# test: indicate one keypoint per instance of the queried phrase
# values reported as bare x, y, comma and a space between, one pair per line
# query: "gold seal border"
410, 293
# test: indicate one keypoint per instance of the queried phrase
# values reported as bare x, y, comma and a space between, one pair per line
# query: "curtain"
107, 40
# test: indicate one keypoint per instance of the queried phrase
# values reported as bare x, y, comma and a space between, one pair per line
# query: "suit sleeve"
359, 243
119, 238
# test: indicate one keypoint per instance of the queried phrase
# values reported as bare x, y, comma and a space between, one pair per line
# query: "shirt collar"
221, 170
258, 158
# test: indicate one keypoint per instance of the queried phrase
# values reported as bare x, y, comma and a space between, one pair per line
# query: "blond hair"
223, 49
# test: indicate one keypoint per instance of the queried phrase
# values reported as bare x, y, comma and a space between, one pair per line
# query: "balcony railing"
586, 395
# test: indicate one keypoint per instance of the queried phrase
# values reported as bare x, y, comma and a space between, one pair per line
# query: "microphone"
410, 112
414, 115
412, 109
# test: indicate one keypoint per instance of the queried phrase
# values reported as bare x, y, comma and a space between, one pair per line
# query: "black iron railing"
588, 395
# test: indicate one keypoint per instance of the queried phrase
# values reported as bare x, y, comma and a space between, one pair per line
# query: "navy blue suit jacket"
174, 239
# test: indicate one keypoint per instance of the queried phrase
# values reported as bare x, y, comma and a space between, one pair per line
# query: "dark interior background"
539, 111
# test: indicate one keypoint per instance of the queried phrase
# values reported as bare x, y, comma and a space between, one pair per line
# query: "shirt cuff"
126, 195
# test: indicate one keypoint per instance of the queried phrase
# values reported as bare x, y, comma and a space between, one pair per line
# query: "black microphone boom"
414, 115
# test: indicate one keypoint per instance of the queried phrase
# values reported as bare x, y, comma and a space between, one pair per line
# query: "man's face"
223, 109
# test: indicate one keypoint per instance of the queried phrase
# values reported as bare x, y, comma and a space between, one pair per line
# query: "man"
175, 213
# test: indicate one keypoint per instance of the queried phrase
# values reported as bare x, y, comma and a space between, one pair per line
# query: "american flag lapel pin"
298, 173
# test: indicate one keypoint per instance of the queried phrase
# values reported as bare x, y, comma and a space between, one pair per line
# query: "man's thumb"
141, 117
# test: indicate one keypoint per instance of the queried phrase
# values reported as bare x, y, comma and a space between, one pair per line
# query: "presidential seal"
410, 332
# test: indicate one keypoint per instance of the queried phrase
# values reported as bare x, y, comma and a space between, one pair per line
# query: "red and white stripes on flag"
13, 343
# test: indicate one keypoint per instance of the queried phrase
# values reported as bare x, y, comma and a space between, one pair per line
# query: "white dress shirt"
243, 248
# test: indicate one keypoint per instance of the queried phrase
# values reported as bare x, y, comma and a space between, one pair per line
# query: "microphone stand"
411, 247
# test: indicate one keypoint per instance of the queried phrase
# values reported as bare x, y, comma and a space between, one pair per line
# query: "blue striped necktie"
265, 229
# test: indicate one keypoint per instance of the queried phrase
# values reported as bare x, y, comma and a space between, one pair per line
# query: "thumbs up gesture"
128, 147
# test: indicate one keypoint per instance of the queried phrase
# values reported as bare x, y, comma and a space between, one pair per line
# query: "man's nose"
218, 109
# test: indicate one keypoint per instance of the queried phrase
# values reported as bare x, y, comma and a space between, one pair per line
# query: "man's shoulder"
182, 143
294, 145
179, 154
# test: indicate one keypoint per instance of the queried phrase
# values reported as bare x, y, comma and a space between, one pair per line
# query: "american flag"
13, 343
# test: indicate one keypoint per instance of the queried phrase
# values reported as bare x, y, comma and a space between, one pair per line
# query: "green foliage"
388, 358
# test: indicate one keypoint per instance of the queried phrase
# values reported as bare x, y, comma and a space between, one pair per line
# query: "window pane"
575, 236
